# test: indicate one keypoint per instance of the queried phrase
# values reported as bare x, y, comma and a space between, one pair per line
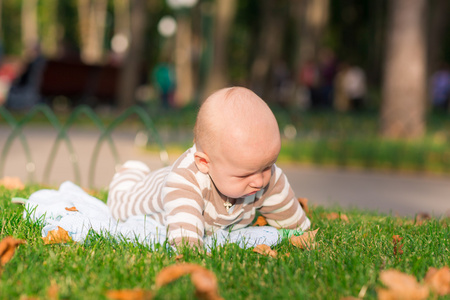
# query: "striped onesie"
186, 201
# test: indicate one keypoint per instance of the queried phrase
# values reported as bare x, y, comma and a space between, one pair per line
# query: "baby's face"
237, 175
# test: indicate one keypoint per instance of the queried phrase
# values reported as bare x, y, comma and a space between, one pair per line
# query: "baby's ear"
202, 161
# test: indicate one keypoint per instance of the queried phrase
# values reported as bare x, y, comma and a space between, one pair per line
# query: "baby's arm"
183, 206
280, 206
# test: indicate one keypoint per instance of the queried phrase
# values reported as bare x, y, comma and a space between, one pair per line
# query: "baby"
219, 182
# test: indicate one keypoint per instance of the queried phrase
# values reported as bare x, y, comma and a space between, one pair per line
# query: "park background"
167, 56
96, 62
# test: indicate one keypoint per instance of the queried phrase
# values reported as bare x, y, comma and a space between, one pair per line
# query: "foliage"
348, 259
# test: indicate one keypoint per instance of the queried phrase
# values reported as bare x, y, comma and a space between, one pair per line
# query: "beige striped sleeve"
279, 205
184, 206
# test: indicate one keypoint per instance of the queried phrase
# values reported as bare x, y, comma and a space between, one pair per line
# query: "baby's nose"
257, 181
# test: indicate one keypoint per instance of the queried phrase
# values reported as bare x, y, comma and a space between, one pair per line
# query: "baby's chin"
241, 196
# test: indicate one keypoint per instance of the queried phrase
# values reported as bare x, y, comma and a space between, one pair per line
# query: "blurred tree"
92, 20
218, 74
404, 82
269, 44
48, 27
437, 30
312, 18
30, 37
122, 21
183, 59
132, 66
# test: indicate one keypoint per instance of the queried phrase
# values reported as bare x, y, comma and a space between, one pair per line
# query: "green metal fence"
17, 127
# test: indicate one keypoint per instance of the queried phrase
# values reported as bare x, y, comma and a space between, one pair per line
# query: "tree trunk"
132, 67
439, 10
183, 62
50, 28
312, 17
404, 82
92, 18
30, 36
218, 75
270, 42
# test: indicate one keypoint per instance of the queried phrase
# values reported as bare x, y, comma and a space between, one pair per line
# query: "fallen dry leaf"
260, 221
334, 216
205, 281
422, 217
397, 246
179, 257
304, 203
7, 248
136, 294
57, 236
305, 241
73, 208
401, 286
438, 280
265, 250
53, 291
12, 183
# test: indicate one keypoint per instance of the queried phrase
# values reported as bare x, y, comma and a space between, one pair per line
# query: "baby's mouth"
252, 193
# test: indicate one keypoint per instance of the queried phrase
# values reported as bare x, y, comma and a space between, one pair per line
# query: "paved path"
389, 193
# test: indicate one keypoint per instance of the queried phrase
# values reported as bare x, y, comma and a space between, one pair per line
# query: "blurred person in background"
440, 88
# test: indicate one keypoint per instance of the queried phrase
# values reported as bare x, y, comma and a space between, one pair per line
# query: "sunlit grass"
348, 258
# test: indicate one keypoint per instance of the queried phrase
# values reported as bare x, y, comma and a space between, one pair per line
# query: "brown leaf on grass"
438, 280
397, 246
339, 216
73, 208
12, 183
260, 221
179, 257
7, 248
265, 250
305, 241
57, 236
205, 281
422, 217
304, 203
401, 286
135, 294
53, 291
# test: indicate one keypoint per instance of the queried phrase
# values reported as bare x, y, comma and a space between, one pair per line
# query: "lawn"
347, 260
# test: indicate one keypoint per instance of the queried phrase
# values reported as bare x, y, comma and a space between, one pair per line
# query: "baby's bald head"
235, 119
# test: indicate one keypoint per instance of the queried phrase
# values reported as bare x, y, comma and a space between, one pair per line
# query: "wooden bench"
43, 80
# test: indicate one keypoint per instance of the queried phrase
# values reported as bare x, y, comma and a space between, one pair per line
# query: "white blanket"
49, 208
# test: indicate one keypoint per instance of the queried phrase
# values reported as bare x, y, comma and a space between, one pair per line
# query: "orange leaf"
422, 217
397, 246
438, 280
73, 208
53, 291
136, 294
401, 286
205, 281
265, 250
305, 241
7, 248
304, 204
57, 236
334, 216
260, 221
12, 183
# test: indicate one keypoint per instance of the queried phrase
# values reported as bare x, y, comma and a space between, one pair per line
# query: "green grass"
348, 257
